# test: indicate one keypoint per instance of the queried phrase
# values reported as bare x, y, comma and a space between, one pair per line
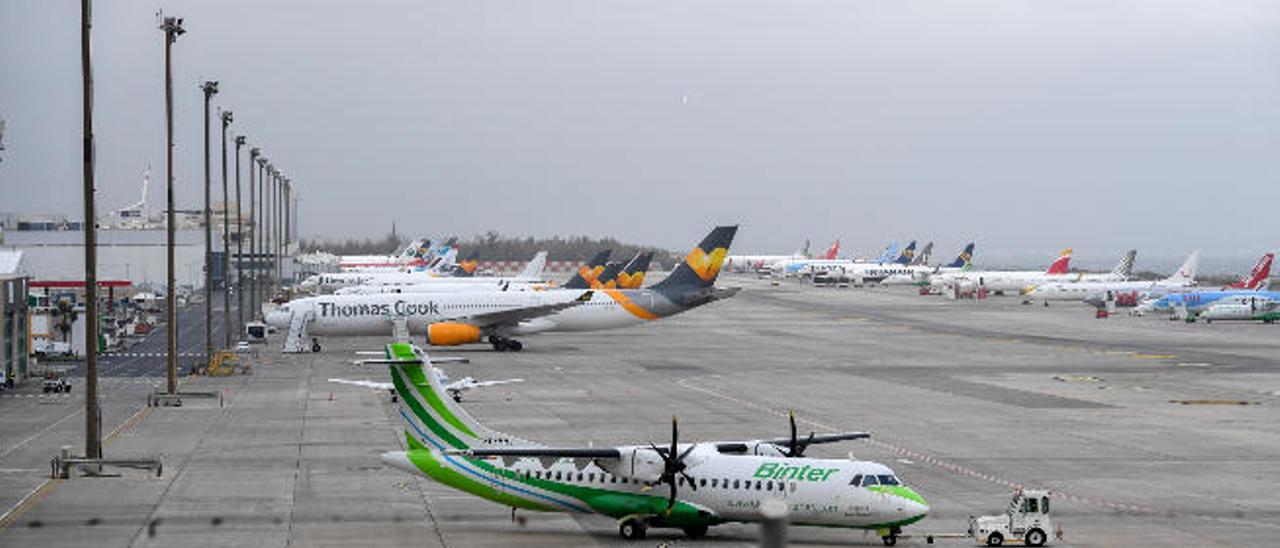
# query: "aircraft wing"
482, 384
743, 446
370, 384
542, 452
516, 315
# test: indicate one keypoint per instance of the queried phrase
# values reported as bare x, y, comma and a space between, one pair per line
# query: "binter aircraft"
691, 486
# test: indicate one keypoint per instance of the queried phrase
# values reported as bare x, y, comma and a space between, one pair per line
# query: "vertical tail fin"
964, 259
923, 256
702, 265
908, 253
632, 276
1255, 278
1186, 274
889, 253
431, 418
833, 252
588, 272
608, 277
1124, 268
1062, 264
533, 270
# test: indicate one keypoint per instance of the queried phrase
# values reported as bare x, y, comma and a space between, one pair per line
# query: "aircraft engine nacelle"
641, 464
452, 333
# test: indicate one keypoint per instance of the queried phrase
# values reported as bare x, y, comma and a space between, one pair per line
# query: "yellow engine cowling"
451, 334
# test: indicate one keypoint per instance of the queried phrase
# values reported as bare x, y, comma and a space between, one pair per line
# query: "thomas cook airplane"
706, 483
459, 321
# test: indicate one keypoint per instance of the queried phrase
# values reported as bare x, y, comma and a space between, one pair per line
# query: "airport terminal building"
14, 319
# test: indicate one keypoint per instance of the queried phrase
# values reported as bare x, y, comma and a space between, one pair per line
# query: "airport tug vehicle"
1026, 521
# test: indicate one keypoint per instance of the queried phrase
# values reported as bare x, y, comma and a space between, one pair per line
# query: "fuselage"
1198, 301
729, 487
1079, 291
353, 315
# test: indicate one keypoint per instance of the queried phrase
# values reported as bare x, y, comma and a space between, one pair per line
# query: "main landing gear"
632, 529
503, 344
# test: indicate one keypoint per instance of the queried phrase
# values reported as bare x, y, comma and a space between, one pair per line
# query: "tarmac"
1149, 432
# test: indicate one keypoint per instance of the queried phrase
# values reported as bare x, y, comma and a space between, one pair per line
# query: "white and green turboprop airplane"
708, 483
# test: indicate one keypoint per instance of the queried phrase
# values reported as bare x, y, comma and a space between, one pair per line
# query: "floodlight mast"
227, 117
172, 27
240, 140
210, 88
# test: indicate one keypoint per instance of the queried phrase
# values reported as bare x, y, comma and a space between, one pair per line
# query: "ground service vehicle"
1026, 521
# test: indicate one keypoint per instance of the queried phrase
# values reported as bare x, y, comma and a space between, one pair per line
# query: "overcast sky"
1028, 125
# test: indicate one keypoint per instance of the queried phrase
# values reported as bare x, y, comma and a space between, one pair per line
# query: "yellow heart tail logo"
707, 266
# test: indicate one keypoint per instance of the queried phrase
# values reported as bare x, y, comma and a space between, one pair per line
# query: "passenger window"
869, 481
735, 484
768, 485
714, 482
888, 480
557, 476
757, 485
702, 482
579, 476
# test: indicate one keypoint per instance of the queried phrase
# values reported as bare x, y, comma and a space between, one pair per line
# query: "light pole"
270, 231
210, 88
226, 238
253, 234
172, 27
260, 232
279, 229
239, 246
92, 425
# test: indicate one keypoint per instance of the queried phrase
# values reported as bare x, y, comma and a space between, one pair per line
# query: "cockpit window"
869, 481
888, 480
857, 480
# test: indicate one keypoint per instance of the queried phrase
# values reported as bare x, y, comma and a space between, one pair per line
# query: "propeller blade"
791, 452
686, 452
805, 445
671, 503
675, 435
692, 484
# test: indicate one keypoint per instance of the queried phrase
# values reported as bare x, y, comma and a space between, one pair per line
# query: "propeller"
795, 448
673, 465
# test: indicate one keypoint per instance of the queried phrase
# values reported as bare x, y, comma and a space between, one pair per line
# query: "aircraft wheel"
499, 345
696, 531
315, 347
515, 345
889, 540
1035, 537
632, 529
995, 539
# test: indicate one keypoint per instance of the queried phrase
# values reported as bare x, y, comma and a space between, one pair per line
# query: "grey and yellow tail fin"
632, 275
589, 272
432, 420
608, 278
701, 266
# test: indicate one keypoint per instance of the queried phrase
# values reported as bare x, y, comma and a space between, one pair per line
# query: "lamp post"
253, 237
226, 238
210, 88
260, 232
92, 425
239, 246
172, 27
